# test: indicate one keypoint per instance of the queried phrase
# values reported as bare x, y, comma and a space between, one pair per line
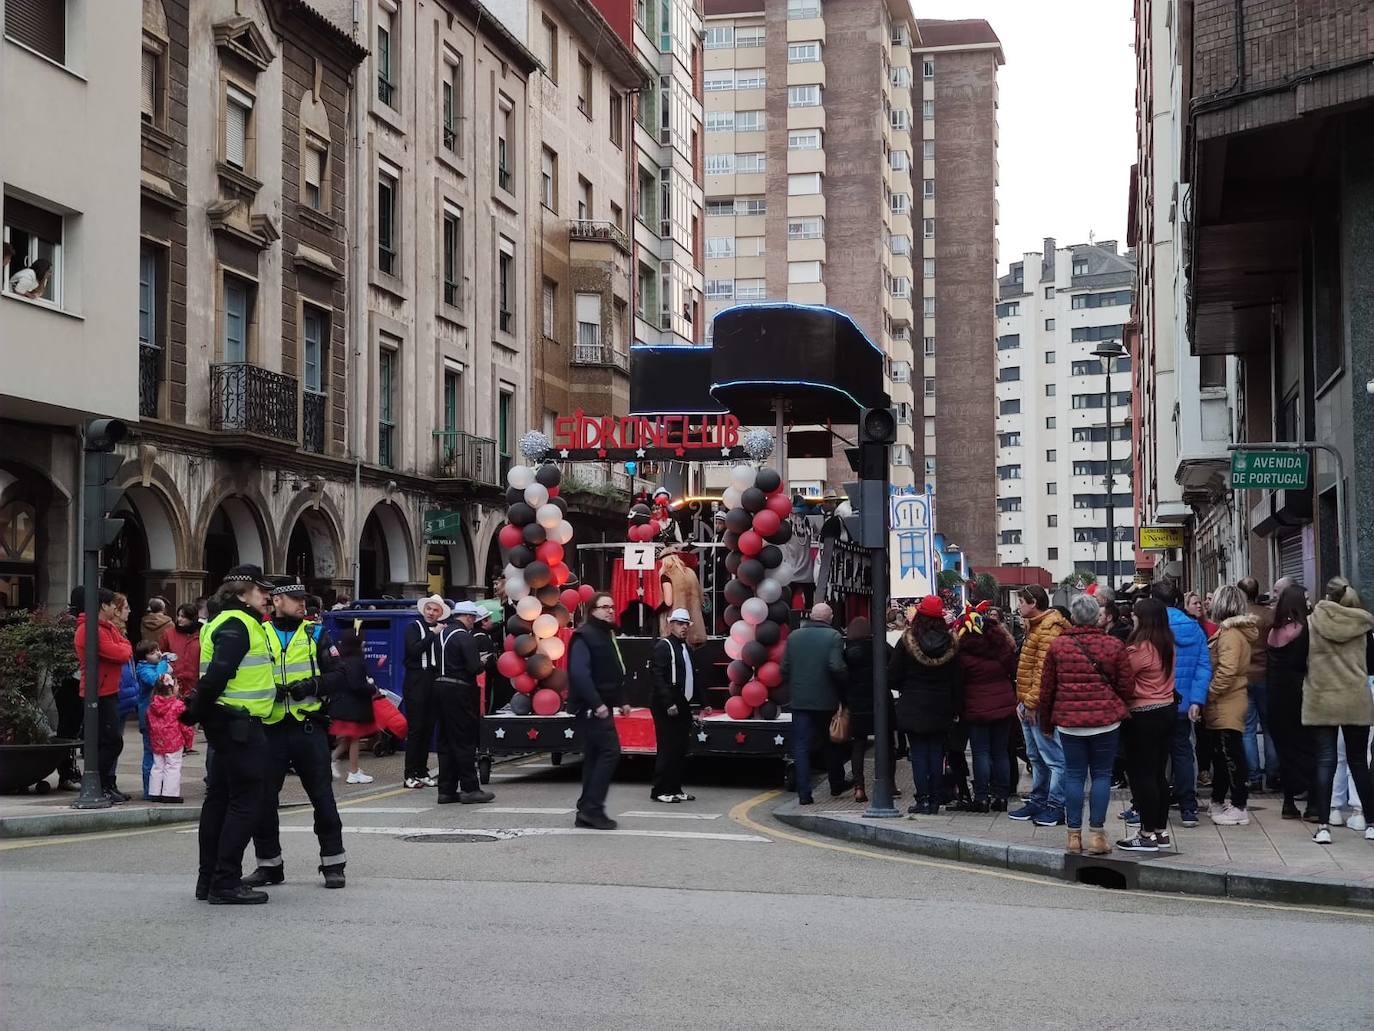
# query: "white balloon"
742, 631
545, 626
553, 647
742, 477
528, 608
549, 516
754, 611
844, 510
516, 588
733, 647
563, 532
536, 494
511, 571
768, 591
730, 498
520, 476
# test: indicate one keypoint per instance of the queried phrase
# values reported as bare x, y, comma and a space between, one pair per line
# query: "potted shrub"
35, 655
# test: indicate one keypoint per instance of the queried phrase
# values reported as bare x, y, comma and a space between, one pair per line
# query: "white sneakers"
1337, 818
359, 777
427, 781
1229, 816
334, 769
1356, 821
1321, 836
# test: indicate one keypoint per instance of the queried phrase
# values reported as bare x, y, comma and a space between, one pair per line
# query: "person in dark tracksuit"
421, 640
235, 693
674, 691
456, 700
596, 690
298, 736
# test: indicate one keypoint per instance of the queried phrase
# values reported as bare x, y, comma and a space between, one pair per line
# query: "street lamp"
954, 549
1106, 351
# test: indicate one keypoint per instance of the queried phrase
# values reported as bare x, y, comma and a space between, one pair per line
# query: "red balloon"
769, 674
754, 693
775, 653
550, 552
570, 599
510, 536
738, 709
546, 702
560, 574
750, 543
553, 492
766, 522
510, 642
524, 683
780, 505
586, 592
510, 665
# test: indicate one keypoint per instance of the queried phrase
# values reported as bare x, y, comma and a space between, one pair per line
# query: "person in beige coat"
1044, 752
681, 590
1335, 695
1227, 702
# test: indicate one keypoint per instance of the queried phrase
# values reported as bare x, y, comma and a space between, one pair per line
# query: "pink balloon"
754, 693
546, 702
769, 674
766, 522
570, 599
524, 683
510, 664
586, 592
780, 505
750, 543
738, 709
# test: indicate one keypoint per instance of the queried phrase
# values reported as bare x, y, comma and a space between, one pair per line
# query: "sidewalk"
1272, 859
33, 815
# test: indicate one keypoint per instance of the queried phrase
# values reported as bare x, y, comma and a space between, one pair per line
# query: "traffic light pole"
880, 802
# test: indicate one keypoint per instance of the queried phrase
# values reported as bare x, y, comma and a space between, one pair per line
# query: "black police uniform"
456, 697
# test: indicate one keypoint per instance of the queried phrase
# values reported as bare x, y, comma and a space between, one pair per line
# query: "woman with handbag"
930, 686
1084, 689
858, 659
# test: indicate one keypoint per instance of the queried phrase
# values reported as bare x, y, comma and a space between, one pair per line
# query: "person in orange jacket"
114, 654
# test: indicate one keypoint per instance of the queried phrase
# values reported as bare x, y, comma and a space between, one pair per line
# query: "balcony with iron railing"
591, 350
586, 230
464, 456
247, 399
149, 379
313, 408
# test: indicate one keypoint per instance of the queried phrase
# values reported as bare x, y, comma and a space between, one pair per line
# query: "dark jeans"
1206, 745
1297, 760
860, 730
600, 757
672, 735
1356, 758
233, 798
303, 744
1146, 737
67, 698
808, 726
1182, 772
1087, 757
927, 764
456, 703
1229, 768
421, 710
991, 761
109, 738
955, 781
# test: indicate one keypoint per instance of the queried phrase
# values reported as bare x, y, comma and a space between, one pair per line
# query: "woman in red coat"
115, 652
987, 654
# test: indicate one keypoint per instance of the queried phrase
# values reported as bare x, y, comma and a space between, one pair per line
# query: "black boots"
265, 875
595, 821
333, 875
239, 896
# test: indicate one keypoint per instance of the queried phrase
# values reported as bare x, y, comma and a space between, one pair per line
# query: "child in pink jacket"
169, 738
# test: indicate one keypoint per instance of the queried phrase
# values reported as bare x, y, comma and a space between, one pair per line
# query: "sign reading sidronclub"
581, 437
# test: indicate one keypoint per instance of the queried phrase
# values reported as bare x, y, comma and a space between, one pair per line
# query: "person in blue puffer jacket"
151, 667
1192, 677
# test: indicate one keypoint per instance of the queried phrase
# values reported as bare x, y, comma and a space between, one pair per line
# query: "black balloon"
732, 562
767, 711
639, 514
754, 653
754, 500
537, 574
519, 514
525, 645
731, 540
738, 520
520, 704
783, 535
548, 475
560, 612
735, 689
517, 626
767, 480
535, 535
548, 596
770, 556
556, 681
560, 504
738, 671
778, 611
737, 593
732, 615
514, 494
520, 556
751, 572
539, 665
767, 633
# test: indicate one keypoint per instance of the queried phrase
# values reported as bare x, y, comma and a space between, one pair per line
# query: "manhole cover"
451, 839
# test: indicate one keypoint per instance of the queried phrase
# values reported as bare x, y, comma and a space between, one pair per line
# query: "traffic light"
877, 432
101, 466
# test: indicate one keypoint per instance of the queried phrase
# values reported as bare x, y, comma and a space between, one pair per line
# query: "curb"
90, 820
1166, 877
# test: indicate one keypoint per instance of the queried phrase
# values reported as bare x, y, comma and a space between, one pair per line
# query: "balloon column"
534, 540
756, 524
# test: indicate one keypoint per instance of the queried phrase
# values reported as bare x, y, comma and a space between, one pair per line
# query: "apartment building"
815, 159
1064, 443
69, 338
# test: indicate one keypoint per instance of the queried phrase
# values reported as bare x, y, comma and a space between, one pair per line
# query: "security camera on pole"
98, 500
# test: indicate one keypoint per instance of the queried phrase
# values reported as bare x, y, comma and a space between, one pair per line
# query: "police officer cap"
290, 587
249, 574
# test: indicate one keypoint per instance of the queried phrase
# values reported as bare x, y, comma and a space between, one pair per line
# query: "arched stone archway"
34, 538
234, 533
314, 551
384, 552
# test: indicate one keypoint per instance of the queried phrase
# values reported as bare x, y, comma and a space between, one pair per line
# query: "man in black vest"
674, 692
421, 639
456, 698
596, 690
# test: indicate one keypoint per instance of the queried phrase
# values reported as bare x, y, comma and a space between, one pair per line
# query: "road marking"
648, 815
69, 839
395, 810
541, 832
516, 810
740, 815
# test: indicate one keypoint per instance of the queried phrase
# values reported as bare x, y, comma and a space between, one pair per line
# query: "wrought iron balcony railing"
247, 399
464, 456
313, 409
588, 230
149, 379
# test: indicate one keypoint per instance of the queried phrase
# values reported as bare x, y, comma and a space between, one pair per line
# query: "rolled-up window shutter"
40, 25
46, 225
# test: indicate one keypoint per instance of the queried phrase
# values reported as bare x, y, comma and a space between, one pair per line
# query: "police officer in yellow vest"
233, 696
296, 736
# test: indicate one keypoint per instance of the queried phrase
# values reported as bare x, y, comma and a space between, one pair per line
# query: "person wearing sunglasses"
596, 691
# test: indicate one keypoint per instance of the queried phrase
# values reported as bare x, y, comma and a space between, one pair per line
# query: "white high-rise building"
1054, 310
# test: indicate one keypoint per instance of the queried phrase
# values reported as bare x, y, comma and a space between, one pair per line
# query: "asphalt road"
729, 920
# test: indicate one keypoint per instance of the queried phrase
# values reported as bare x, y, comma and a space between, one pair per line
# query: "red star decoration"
532, 734
601, 452
679, 452
739, 738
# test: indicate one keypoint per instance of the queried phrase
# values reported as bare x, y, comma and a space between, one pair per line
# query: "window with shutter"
149, 86
40, 25
315, 162
238, 109
314, 344
147, 297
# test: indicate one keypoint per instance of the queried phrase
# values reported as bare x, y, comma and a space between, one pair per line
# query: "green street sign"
442, 527
1269, 470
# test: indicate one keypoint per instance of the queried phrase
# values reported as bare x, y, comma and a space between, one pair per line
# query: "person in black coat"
930, 687
421, 643
596, 691
675, 677
457, 698
858, 659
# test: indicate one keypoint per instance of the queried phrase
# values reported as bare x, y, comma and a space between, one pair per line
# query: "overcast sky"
1067, 116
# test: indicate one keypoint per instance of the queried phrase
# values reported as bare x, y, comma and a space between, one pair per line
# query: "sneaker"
116, 797
1131, 817
1321, 836
978, 806
1337, 818
683, 796
1356, 822
1188, 817
1290, 812
915, 809
1204, 780
1368, 833
1230, 816
416, 782
1025, 813
667, 799
1139, 843
1163, 840
333, 770
998, 805
359, 777
1049, 818
430, 780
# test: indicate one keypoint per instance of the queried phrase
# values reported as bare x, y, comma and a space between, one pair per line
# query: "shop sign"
581, 437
